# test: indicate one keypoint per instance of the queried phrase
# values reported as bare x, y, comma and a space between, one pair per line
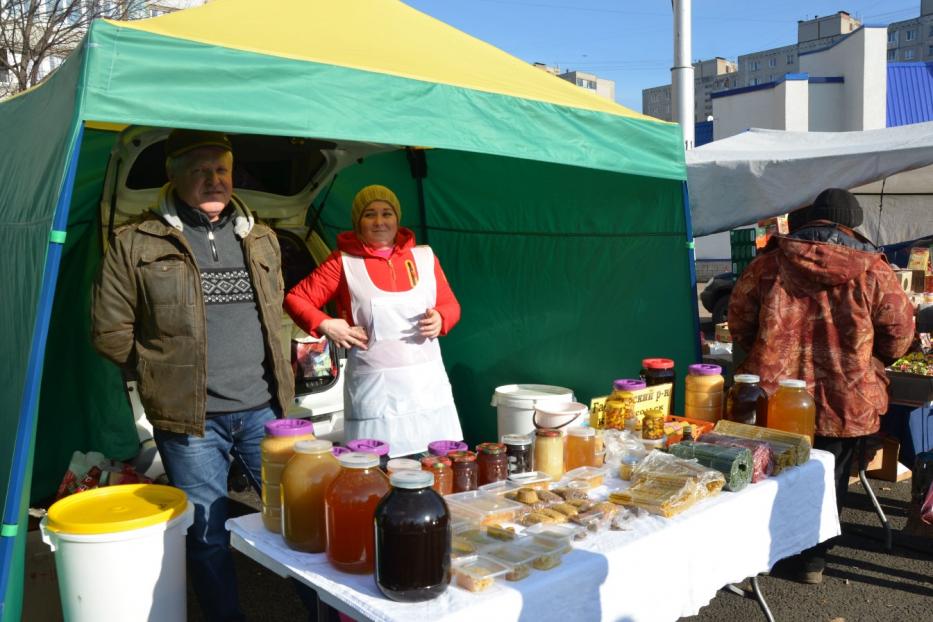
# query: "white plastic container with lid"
100, 534
515, 405
559, 415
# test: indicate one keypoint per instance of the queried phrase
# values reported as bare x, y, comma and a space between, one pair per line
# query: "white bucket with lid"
515, 405
120, 553
555, 414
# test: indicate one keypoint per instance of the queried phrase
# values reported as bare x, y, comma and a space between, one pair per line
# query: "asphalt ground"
862, 581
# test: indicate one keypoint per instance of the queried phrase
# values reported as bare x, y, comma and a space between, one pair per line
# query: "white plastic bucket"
515, 405
552, 414
133, 575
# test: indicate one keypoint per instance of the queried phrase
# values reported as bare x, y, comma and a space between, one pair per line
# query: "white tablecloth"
665, 569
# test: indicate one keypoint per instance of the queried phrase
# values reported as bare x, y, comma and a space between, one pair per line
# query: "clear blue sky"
630, 41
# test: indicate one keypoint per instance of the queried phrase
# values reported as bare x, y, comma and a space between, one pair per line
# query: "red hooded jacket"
824, 313
398, 273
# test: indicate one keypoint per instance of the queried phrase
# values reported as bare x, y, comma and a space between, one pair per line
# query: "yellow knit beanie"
374, 193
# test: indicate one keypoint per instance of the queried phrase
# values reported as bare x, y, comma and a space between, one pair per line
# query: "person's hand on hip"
344, 335
430, 325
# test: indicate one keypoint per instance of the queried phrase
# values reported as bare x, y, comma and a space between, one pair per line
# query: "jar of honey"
792, 408
620, 407
304, 482
549, 453
493, 462
465, 470
349, 508
580, 449
276, 448
412, 527
441, 468
746, 401
703, 398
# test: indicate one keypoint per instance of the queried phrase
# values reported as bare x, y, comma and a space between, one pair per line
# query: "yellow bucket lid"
116, 508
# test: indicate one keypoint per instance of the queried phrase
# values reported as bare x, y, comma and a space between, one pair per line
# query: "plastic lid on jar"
411, 479
435, 462
547, 433
793, 383
490, 448
704, 369
747, 378
582, 431
358, 460
288, 427
339, 451
401, 464
519, 440
369, 446
313, 447
442, 448
628, 384
462, 456
657, 363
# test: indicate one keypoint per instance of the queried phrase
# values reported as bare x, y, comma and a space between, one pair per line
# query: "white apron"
397, 390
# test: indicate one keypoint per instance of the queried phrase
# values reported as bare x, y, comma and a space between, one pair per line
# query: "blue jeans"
200, 466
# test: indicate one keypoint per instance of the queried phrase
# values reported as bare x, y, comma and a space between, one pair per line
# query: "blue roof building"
910, 93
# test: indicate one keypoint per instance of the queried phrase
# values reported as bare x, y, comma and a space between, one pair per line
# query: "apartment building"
709, 76
911, 40
584, 79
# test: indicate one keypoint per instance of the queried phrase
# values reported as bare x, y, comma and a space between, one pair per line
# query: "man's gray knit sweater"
238, 377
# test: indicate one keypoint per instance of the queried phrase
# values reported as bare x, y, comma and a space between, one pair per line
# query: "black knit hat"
838, 206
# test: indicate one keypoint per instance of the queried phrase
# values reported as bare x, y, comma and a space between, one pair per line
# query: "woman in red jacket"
393, 302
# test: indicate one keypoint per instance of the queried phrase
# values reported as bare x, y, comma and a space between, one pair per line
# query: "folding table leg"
756, 594
862, 460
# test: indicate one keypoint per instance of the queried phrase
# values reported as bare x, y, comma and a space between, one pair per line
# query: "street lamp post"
682, 71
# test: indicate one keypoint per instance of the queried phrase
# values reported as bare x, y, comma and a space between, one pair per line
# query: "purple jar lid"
289, 427
369, 446
704, 369
628, 384
339, 450
442, 448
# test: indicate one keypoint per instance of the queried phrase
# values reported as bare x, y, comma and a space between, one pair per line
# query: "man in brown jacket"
823, 305
189, 301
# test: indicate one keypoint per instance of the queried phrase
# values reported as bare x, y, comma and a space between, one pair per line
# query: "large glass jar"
440, 468
659, 371
518, 452
465, 470
492, 461
746, 401
652, 427
704, 392
792, 408
371, 446
580, 449
549, 453
620, 407
349, 507
412, 539
276, 448
304, 482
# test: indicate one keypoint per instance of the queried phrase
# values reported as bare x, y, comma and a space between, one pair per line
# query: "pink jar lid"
289, 427
337, 451
628, 384
442, 448
369, 446
704, 369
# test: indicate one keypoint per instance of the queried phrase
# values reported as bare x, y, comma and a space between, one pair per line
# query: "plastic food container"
591, 476
483, 507
547, 553
518, 558
478, 573
535, 479
565, 533
500, 487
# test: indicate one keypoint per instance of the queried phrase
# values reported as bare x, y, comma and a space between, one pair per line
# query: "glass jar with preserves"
652, 426
349, 507
580, 448
304, 482
441, 468
465, 470
518, 452
493, 462
620, 407
746, 401
442, 448
276, 448
792, 408
412, 537
703, 397
371, 446
549, 453
657, 371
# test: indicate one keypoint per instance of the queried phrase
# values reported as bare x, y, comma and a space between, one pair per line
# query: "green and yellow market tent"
560, 217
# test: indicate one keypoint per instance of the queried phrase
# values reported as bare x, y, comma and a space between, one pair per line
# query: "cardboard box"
722, 334
883, 461
41, 601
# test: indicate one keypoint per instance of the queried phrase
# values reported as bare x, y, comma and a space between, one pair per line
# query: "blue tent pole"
20, 476
691, 258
